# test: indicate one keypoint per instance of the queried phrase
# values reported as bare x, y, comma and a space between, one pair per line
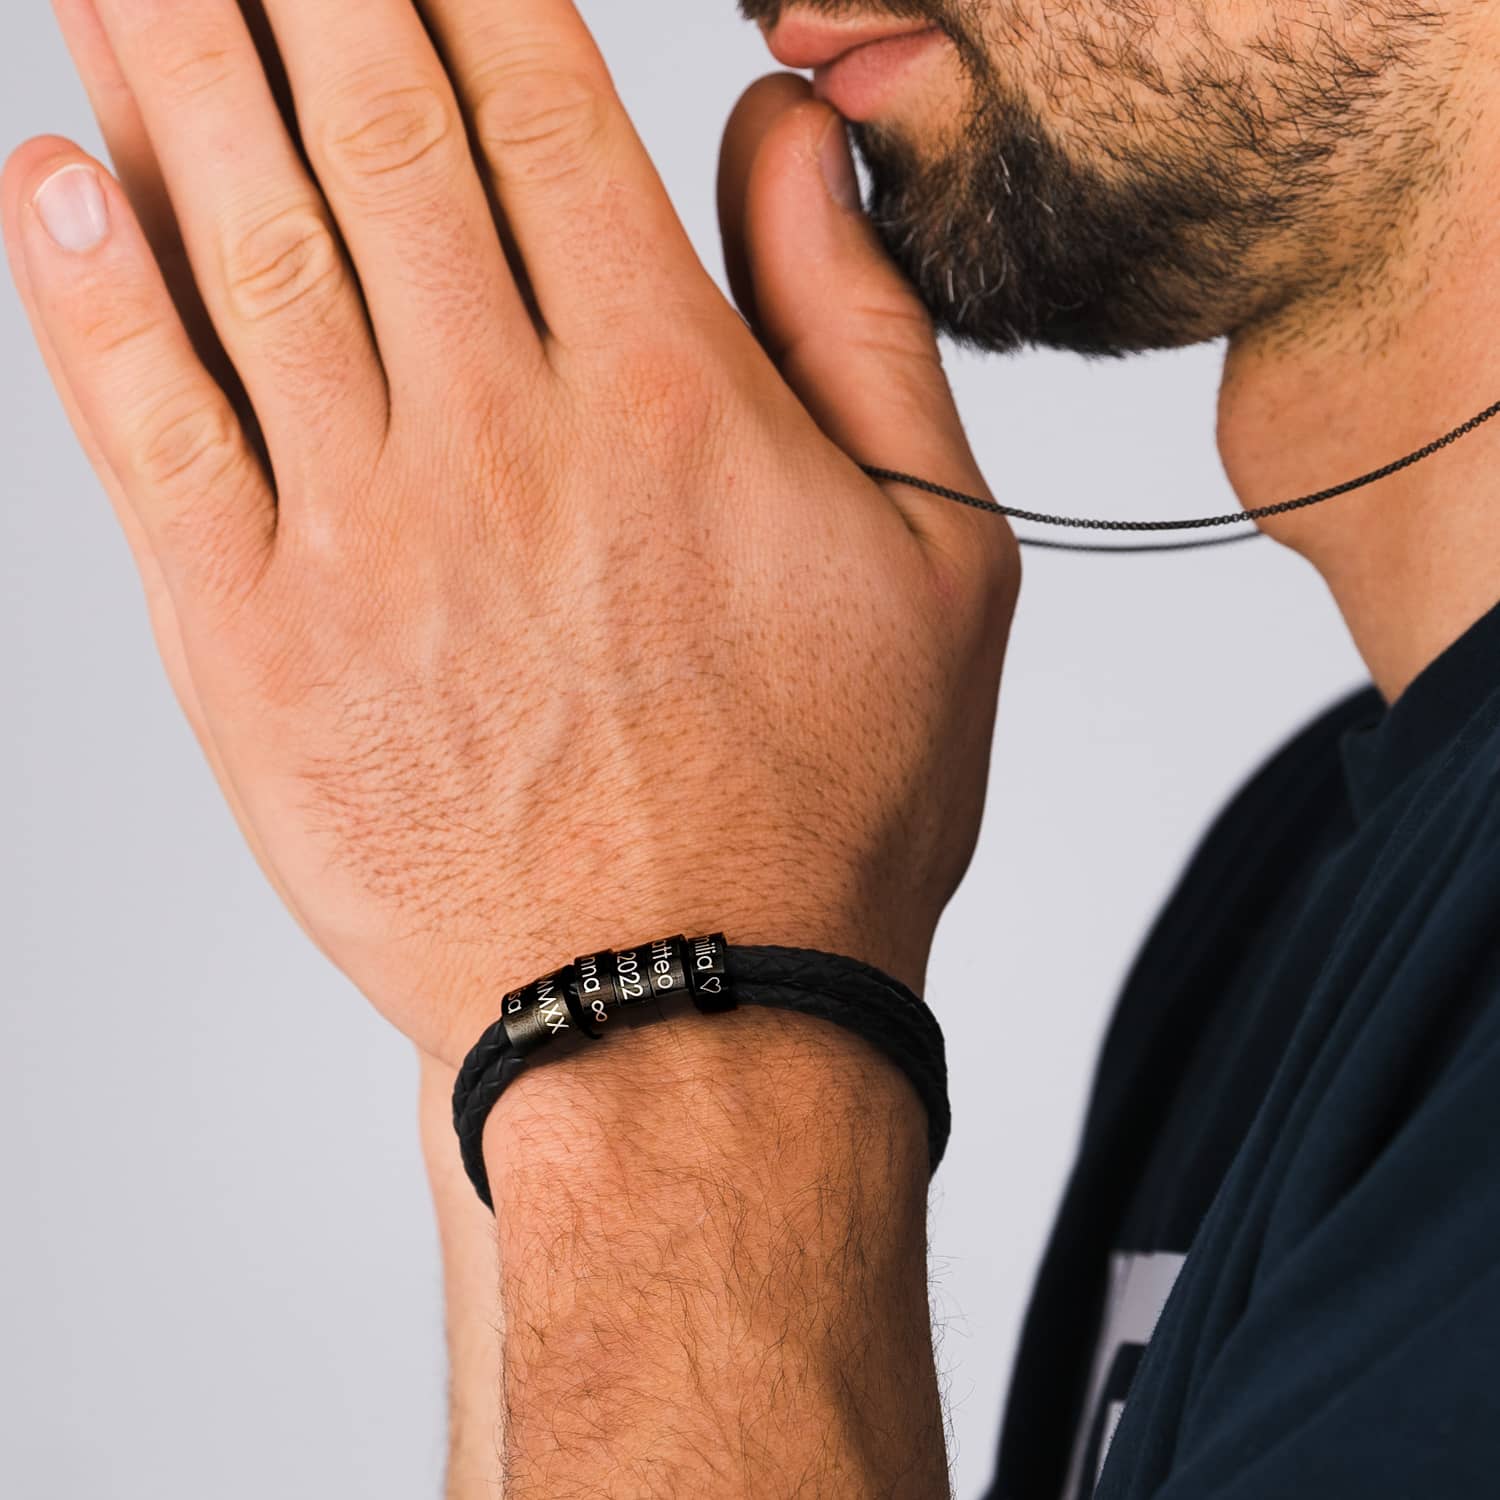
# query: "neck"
1323, 393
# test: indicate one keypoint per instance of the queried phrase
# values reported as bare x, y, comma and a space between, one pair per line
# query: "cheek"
1106, 80
1079, 66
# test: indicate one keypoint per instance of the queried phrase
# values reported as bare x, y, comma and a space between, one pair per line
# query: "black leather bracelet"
566, 1009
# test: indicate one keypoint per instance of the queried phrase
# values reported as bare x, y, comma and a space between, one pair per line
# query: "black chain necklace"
1196, 523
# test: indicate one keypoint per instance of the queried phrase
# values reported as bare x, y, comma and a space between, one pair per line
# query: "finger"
751, 117
119, 120
591, 220
163, 613
387, 139
125, 134
263, 247
163, 428
845, 327
165, 626
140, 175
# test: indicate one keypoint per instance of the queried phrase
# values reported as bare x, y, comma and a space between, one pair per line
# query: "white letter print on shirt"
1139, 1285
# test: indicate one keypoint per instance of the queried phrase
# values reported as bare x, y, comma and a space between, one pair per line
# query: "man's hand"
543, 631
562, 618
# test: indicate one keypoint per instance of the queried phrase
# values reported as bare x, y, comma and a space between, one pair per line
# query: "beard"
1159, 200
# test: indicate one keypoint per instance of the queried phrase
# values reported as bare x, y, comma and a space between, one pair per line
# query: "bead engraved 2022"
657, 971
630, 981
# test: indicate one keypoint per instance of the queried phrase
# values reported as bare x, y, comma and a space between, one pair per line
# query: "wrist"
898, 951
709, 1085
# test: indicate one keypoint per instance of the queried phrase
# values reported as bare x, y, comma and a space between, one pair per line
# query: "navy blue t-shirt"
1281, 1236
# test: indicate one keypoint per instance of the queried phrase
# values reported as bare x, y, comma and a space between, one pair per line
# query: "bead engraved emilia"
710, 973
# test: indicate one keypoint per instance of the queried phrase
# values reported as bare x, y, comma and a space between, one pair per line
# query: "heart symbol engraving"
712, 985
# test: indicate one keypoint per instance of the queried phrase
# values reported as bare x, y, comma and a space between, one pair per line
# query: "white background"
218, 1275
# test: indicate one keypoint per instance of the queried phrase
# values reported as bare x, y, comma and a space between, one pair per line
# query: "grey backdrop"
218, 1275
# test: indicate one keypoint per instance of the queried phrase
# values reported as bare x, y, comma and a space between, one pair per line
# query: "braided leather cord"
833, 988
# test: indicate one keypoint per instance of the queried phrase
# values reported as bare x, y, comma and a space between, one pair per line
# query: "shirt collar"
1380, 754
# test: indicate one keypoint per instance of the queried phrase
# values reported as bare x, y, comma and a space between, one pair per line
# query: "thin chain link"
1194, 523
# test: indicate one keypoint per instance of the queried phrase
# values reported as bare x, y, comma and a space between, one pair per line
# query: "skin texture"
400, 496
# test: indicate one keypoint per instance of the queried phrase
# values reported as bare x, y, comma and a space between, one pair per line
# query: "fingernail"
70, 204
838, 165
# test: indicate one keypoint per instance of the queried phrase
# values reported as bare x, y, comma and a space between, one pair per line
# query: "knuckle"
192, 66
390, 133
882, 335
536, 120
118, 327
188, 444
280, 264
975, 570
199, 476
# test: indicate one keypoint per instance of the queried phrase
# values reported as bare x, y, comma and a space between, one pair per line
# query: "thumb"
844, 325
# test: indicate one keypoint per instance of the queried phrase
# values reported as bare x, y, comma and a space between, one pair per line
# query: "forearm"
712, 1271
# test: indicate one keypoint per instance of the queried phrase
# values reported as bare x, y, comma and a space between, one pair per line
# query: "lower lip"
859, 83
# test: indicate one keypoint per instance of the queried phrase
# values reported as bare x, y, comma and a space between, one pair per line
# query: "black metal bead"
593, 992
651, 973
667, 965
610, 984
708, 973
538, 1013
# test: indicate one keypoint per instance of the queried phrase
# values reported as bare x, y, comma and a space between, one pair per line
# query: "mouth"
856, 68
